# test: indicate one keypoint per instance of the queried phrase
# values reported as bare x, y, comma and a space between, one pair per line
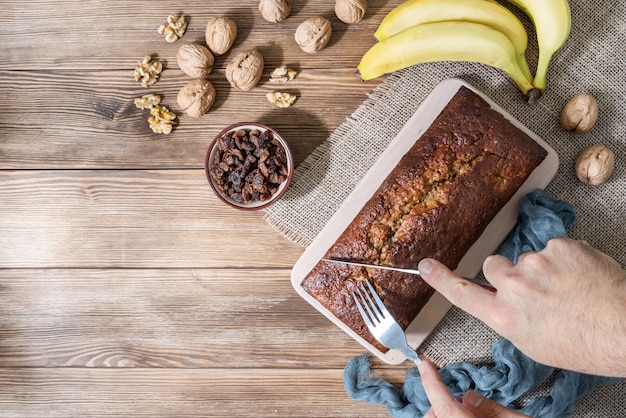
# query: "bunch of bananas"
484, 31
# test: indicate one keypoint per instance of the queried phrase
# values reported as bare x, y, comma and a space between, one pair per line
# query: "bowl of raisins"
249, 165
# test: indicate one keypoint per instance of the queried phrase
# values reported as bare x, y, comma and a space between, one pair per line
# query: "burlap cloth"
593, 61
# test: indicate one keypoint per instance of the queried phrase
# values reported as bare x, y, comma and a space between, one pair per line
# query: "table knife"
482, 283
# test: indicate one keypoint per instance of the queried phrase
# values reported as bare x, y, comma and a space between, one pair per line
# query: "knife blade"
482, 283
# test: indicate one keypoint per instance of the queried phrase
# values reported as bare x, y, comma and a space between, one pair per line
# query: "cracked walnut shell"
245, 70
275, 10
350, 11
195, 60
196, 97
313, 34
220, 34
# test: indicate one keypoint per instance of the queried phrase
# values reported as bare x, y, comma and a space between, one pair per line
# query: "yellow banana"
445, 41
487, 12
553, 22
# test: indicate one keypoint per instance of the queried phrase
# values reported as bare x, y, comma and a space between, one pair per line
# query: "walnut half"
161, 120
281, 99
147, 101
147, 71
173, 29
282, 75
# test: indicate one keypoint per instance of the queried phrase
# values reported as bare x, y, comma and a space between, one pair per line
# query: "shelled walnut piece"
147, 101
281, 99
147, 71
220, 34
161, 120
313, 34
196, 97
350, 11
173, 29
245, 70
275, 10
195, 60
282, 75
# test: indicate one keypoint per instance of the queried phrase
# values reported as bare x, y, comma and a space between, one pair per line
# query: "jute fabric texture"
592, 61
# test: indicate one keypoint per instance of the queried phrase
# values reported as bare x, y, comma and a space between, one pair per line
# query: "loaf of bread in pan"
435, 203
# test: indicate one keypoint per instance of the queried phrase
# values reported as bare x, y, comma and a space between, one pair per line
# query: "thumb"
486, 408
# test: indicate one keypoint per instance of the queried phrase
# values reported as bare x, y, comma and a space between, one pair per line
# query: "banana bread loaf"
435, 203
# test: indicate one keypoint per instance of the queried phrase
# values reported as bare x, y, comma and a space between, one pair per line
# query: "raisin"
249, 165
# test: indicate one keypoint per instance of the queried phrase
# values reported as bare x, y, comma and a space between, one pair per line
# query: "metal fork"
380, 322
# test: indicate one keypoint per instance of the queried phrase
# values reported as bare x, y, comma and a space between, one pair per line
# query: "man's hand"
444, 405
564, 306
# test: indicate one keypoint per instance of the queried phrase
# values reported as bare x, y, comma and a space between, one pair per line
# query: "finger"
430, 414
435, 389
486, 408
470, 297
442, 401
495, 269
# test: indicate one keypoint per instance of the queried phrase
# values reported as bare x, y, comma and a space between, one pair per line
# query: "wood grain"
199, 393
88, 119
126, 287
129, 218
164, 318
113, 35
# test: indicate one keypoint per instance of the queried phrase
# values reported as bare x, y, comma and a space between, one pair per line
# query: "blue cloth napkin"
513, 374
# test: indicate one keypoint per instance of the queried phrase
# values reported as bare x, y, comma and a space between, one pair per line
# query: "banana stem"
523, 65
532, 96
541, 74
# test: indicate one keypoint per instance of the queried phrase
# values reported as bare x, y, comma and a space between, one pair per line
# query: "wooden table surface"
126, 287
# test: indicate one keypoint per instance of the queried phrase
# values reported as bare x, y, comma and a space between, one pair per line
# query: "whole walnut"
220, 34
350, 11
313, 34
595, 164
196, 97
275, 10
195, 60
245, 70
580, 113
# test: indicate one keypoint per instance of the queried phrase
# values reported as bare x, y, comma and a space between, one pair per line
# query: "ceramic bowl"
238, 201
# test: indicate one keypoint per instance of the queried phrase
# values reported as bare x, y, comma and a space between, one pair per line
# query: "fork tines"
369, 304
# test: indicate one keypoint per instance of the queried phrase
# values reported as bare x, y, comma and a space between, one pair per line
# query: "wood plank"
188, 393
164, 318
103, 35
127, 288
88, 119
131, 219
